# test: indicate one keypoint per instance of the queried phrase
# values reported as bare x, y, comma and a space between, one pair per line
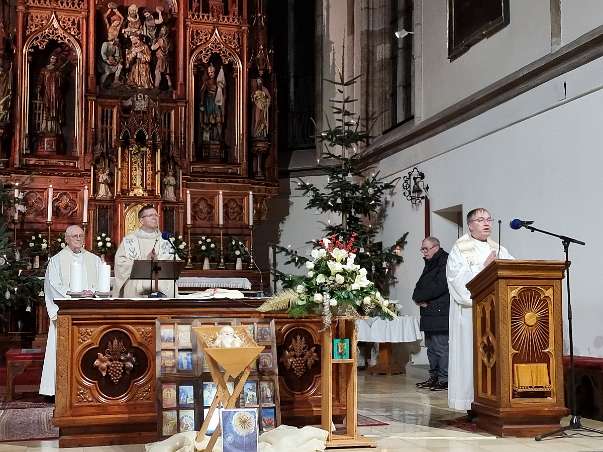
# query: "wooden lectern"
517, 347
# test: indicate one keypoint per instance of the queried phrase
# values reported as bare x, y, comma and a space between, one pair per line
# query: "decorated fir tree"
353, 193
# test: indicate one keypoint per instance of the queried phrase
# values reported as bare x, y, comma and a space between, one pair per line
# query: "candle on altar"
76, 277
104, 278
188, 208
250, 208
85, 211
220, 209
16, 217
50, 193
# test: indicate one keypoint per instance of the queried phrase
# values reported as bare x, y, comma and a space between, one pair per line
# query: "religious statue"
138, 59
114, 23
111, 61
162, 48
169, 185
149, 26
50, 86
227, 338
134, 25
104, 182
260, 116
212, 105
216, 8
6, 72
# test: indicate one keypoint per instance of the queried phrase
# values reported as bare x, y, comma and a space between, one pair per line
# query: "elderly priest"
143, 244
72, 269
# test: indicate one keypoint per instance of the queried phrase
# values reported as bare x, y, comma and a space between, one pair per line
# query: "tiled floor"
417, 423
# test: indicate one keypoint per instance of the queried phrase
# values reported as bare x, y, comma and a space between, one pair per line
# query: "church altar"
123, 407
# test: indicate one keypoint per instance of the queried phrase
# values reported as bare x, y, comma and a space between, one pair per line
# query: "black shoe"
431, 381
440, 386
49, 398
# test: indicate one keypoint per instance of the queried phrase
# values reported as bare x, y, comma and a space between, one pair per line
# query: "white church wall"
579, 17
545, 168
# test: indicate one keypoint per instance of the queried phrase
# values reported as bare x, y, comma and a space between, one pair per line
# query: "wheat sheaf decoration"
530, 324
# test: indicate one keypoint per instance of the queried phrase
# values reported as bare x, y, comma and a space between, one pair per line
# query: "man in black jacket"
431, 294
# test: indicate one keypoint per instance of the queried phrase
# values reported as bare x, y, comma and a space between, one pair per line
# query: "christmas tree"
358, 198
17, 288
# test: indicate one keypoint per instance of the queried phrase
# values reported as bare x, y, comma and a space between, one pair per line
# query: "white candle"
75, 277
85, 212
250, 208
188, 208
50, 192
104, 278
17, 191
16, 217
220, 209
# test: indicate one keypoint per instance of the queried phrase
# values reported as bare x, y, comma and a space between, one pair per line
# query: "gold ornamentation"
83, 395
85, 335
36, 21
115, 361
146, 334
216, 44
34, 202
199, 36
57, 4
234, 211
64, 205
221, 19
203, 211
131, 215
144, 393
54, 31
530, 323
298, 357
232, 39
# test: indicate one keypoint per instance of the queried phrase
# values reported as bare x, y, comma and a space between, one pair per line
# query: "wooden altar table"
121, 407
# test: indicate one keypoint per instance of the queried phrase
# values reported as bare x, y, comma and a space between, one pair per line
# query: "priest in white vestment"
143, 244
470, 255
57, 282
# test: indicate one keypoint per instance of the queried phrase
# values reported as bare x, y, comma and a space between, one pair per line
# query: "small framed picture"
209, 392
250, 394
239, 430
341, 349
168, 361
168, 395
185, 360
170, 423
265, 362
263, 333
186, 420
186, 395
266, 392
184, 336
167, 336
268, 418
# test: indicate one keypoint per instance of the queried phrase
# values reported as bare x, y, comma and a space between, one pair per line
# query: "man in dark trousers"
431, 294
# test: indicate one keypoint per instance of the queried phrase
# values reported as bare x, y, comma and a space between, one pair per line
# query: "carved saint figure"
134, 25
149, 26
50, 86
212, 105
169, 185
6, 71
113, 23
138, 59
261, 104
162, 48
104, 182
111, 61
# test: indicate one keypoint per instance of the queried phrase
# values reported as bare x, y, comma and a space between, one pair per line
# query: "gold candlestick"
189, 263
221, 265
251, 261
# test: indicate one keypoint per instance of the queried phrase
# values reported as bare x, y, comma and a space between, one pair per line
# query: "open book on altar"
215, 293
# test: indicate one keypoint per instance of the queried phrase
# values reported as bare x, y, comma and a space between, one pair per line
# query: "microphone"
518, 224
165, 235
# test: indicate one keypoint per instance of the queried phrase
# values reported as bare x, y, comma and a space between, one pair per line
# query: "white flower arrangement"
237, 248
104, 245
206, 247
38, 244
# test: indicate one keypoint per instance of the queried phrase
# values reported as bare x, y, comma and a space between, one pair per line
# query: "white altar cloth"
404, 328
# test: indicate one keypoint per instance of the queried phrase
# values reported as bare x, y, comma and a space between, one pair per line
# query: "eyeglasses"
150, 215
76, 236
481, 220
424, 249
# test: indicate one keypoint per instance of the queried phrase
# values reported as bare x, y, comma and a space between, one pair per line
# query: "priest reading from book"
470, 254
72, 270
145, 243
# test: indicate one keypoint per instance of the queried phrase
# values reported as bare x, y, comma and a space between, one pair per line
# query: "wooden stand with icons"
236, 364
342, 327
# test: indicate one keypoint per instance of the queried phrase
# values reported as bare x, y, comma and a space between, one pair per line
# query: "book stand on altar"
342, 327
235, 363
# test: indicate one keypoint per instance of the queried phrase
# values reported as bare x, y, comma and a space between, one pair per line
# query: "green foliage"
357, 196
17, 286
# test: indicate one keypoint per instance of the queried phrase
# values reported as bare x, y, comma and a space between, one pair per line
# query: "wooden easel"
235, 362
344, 328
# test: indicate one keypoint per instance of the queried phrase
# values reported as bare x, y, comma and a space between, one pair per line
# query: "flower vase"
206, 263
239, 264
36, 261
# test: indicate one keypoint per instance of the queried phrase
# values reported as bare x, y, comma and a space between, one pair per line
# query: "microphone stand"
253, 263
574, 423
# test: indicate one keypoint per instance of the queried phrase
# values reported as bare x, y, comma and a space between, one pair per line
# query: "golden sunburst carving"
530, 323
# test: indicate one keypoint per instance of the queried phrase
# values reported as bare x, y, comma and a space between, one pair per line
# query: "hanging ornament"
7, 294
28, 308
2, 260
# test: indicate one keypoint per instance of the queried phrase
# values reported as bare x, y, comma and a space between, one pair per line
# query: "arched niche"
217, 53
52, 53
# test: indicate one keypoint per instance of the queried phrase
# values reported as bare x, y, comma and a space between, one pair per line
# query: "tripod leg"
559, 432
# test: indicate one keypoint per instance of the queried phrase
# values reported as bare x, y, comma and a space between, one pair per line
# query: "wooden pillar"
183, 12
18, 105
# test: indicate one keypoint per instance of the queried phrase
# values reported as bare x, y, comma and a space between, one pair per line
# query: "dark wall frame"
470, 21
